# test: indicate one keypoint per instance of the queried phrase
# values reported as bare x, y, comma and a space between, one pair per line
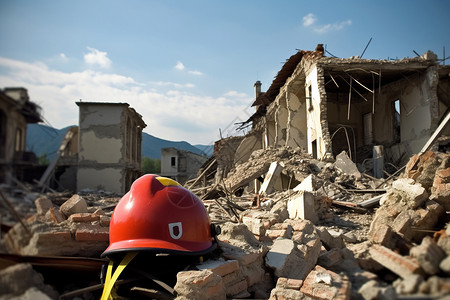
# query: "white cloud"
97, 57
173, 115
310, 20
179, 66
63, 57
173, 84
195, 72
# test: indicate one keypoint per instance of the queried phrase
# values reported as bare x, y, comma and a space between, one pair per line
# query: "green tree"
151, 166
43, 160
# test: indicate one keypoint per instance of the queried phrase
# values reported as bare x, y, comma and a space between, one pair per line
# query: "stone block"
346, 165
76, 204
255, 225
43, 204
324, 284
328, 240
277, 257
292, 260
302, 206
270, 178
309, 184
429, 255
400, 265
415, 194
220, 267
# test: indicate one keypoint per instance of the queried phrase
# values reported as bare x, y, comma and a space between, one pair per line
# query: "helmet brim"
160, 246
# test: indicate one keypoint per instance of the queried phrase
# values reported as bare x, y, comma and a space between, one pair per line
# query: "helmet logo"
175, 230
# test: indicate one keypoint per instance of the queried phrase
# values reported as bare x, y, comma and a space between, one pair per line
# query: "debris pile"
292, 227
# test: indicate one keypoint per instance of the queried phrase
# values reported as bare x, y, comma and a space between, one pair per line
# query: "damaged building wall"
16, 110
110, 140
180, 165
329, 105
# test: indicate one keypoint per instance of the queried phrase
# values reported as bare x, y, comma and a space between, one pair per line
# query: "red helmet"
159, 215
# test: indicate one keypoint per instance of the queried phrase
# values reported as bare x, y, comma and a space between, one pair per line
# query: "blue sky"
188, 67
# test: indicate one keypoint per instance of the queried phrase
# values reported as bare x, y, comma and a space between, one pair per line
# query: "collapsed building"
327, 105
180, 165
16, 111
102, 153
300, 217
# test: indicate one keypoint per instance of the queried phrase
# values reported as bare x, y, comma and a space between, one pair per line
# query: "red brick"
289, 283
219, 267
55, 215
237, 288
400, 265
384, 235
97, 234
216, 291
54, 236
231, 278
84, 217
340, 287
276, 233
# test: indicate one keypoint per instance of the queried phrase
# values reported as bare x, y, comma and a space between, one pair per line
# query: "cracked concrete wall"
109, 146
314, 109
296, 127
11, 122
281, 122
419, 114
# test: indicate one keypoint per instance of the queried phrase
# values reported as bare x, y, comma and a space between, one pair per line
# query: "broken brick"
400, 265
338, 287
55, 215
43, 204
83, 217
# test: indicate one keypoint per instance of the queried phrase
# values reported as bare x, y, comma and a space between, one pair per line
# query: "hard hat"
160, 215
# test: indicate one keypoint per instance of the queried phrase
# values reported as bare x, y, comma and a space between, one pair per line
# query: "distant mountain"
43, 139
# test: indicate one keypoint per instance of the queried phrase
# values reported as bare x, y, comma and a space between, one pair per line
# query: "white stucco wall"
166, 162
110, 148
108, 179
314, 127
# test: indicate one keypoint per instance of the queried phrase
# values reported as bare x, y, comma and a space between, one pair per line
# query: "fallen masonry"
305, 237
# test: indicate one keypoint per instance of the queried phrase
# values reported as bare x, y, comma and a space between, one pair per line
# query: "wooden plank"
436, 133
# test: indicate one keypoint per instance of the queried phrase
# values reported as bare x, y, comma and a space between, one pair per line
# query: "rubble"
297, 242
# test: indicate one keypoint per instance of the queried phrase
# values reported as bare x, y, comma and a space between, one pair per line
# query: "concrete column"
378, 161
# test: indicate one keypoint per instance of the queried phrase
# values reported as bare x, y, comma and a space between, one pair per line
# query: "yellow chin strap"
110, 281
